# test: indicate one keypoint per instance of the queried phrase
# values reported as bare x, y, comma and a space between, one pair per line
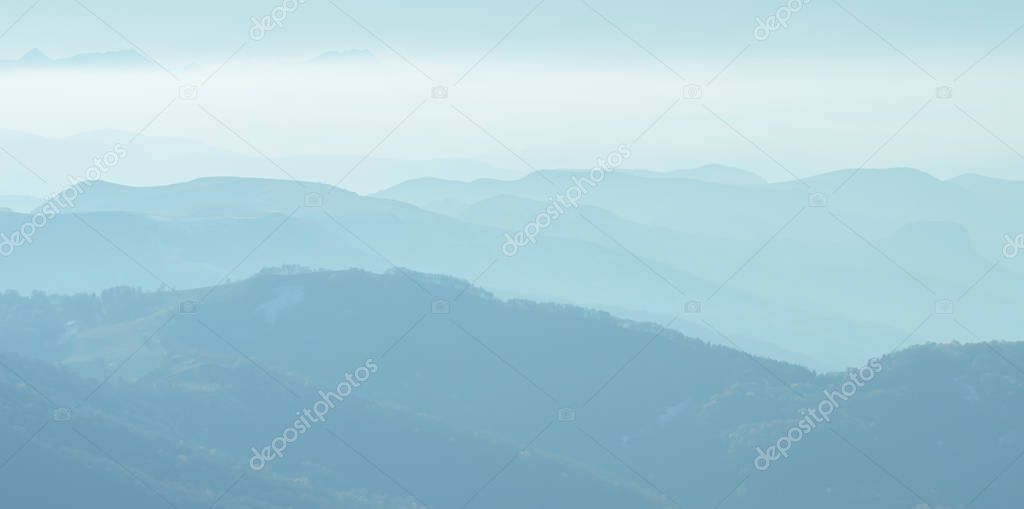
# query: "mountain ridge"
238, 364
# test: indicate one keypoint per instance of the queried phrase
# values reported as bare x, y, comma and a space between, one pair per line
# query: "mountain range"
506, 255
148, 157
35, 59
160, 398
894, 257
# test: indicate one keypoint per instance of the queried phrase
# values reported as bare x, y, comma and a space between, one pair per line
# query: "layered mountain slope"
618, 412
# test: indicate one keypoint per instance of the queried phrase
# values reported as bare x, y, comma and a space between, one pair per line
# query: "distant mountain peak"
35, 55
721, 174
117, 58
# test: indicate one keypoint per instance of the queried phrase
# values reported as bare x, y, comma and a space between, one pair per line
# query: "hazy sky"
550, 84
